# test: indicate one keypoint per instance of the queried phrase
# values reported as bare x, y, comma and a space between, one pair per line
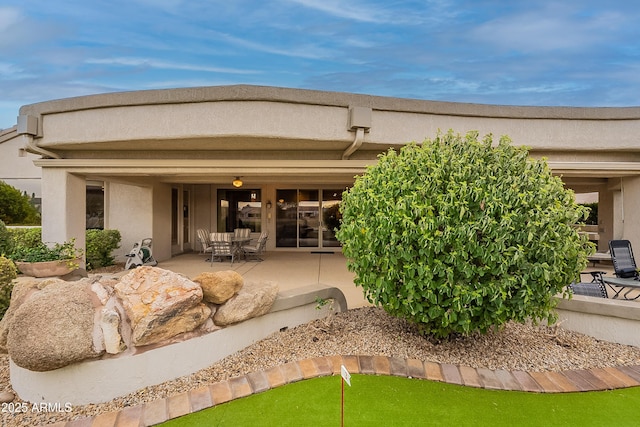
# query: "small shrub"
43, 252
8, 273
100, 246
459, 236
6, 239
25, 238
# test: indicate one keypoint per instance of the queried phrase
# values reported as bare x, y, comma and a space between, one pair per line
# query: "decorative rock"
77, 274
109, 322
219, 286
102, 292
188, 320
6, 397
153, 298
253, 300
53, 327
48, 281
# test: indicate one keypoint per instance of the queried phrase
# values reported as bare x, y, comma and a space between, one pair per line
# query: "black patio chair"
622, 257
595, 288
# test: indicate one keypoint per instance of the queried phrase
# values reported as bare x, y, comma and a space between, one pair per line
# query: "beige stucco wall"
251, 127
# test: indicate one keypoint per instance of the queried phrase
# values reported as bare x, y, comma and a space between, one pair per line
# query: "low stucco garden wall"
604, 319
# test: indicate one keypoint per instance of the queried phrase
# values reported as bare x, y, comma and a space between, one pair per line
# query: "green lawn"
398, 401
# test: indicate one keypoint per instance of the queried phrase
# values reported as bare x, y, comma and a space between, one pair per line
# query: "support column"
129, 209
630, 194
605, 218
64, 211
162, 221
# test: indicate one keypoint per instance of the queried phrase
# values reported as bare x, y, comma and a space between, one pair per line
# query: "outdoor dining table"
629, 284
236, 241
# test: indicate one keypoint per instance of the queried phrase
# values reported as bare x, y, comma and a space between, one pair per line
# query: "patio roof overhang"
211, 171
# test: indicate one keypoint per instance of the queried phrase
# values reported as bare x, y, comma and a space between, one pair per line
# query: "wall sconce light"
269, 204
237, 182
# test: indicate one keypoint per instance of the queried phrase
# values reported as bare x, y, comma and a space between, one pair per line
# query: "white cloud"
383, 12
341, 9
307, 51
553, 27
9, 16
10, 70
152, 63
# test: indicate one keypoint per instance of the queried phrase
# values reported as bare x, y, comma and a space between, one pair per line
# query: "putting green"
398, 401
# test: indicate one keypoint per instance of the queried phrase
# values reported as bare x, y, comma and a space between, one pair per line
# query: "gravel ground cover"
370, 331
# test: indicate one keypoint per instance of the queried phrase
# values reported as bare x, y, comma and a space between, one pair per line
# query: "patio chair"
223, 246
258, 249
595, 288
205, 243
242, 233
622, 257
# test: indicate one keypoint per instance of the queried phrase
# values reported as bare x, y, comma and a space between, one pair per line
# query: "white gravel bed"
370, 331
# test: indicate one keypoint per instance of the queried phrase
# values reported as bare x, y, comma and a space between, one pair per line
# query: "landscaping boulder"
160, 304
110, 327
54, 327
219, 286
253, 300
22, 289
153, 330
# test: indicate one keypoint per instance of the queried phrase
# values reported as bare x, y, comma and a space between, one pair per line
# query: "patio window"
239, 209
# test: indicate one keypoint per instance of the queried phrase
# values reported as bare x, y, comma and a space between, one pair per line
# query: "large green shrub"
8, 273
458, 236
15, 207
100, 245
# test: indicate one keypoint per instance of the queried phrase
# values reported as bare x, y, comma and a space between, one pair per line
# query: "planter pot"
48, 268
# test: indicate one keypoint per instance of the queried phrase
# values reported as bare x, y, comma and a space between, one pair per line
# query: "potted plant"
46, 261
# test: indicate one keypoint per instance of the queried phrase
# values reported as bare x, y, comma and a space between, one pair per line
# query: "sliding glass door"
239, 209
307, 218
331, 217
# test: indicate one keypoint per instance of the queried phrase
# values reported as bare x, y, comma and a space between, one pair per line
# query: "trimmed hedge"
459, 235
99, 244
8, 273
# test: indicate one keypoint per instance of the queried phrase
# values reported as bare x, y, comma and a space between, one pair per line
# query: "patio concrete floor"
289, 270
292, 270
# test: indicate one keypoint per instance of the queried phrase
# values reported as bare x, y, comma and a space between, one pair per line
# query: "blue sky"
544, 52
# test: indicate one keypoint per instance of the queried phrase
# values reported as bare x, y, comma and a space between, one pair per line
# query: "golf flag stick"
346, 376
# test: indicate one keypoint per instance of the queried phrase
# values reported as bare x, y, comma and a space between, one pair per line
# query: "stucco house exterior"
167, 160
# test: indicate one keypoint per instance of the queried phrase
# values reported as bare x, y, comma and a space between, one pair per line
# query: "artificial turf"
398, 401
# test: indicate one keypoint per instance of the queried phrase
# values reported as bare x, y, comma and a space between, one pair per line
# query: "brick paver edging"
161, 410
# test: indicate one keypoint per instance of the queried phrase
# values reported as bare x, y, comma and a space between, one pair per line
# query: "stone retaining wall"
100, 381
